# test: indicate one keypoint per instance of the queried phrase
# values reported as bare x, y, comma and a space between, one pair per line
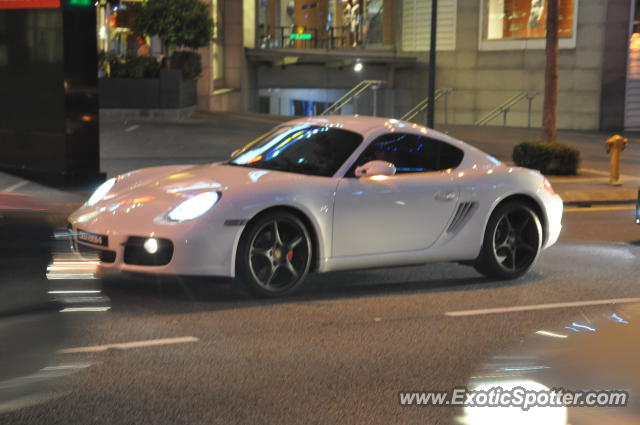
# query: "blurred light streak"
84, 309
70, 266
619, 319
578, 325
551, 334
91, 291
485, 415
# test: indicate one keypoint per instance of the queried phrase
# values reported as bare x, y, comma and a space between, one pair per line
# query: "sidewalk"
208, 137
592, 186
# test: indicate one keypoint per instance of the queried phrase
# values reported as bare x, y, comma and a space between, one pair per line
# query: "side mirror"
376, 168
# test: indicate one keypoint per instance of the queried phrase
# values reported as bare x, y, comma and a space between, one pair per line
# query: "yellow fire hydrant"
615, 145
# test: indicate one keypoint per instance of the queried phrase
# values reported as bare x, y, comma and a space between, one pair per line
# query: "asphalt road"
338, 352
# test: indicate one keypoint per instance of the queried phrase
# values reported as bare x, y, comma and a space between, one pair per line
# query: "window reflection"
411, 153
326, 24
524, 19
303, 149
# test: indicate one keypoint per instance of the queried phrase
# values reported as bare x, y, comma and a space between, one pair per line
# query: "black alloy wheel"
512, 242
275, 254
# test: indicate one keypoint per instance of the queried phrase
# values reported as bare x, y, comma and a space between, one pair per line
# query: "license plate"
92, 238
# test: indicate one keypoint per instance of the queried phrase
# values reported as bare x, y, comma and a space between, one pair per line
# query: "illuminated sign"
81, 3
29, 4
300, 37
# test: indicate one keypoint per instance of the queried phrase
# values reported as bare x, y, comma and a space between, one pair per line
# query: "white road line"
129, 345
16, 186
92, 291
517, 308
84, 309
132, 128
604, 208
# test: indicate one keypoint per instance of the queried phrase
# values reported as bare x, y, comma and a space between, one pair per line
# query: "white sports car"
323, 194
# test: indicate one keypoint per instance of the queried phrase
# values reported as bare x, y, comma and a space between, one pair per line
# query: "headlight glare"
101, 191
194, 207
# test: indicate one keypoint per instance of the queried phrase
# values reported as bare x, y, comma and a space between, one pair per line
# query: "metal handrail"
424, 104
351, 95
506, 106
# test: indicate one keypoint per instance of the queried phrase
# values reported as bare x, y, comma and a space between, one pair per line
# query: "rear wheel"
274, 255
512, 242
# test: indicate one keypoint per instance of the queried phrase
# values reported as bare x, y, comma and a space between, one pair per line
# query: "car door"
404, 212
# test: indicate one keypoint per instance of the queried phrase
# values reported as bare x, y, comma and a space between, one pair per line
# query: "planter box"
169, 91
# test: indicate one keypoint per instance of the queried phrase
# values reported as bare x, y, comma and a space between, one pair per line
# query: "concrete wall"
485, 79
225, 94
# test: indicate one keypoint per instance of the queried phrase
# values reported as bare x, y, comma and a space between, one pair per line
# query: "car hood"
152, 192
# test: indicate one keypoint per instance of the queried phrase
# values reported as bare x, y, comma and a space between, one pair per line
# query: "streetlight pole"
431, 105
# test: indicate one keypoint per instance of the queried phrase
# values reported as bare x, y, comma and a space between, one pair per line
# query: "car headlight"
101, 191
194, 207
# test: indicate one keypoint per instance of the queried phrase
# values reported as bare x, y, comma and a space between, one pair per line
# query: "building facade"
295, 57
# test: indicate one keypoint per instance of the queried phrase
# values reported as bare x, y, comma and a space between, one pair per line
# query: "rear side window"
411, 153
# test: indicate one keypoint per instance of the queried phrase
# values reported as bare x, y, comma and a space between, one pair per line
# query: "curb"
586, 204
603, 197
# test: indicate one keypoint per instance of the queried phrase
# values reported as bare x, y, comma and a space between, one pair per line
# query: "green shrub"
177, 22
188, 62
132, 66
547, 157
142, 66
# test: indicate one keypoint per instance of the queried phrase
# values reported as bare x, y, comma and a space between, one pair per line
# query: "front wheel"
274, 255
512, 242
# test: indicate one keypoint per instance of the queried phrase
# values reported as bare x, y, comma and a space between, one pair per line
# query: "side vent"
460, 217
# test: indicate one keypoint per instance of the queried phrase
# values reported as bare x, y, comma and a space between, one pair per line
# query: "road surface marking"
132, 128
16, 186
92, 291
604, 208
129, 345
84, 309
539, 307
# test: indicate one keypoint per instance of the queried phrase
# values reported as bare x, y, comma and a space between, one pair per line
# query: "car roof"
363, 124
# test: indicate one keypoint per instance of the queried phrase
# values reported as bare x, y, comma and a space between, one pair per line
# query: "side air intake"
460, 217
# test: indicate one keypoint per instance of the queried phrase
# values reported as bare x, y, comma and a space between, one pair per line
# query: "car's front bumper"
208, 251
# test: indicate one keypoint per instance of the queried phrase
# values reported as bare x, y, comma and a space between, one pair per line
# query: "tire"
512, 242
274, 255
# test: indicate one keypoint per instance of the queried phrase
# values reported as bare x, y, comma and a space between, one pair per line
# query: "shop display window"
323, 24
524, 19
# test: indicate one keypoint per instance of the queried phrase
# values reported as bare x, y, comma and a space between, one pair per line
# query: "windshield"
302, 149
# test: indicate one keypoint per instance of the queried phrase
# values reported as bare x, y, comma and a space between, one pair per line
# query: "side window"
411, 153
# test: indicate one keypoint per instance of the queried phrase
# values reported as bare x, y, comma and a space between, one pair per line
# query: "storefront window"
114, 29
323, 23
524, 19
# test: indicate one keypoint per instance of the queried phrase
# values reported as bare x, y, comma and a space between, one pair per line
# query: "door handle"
445, 196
